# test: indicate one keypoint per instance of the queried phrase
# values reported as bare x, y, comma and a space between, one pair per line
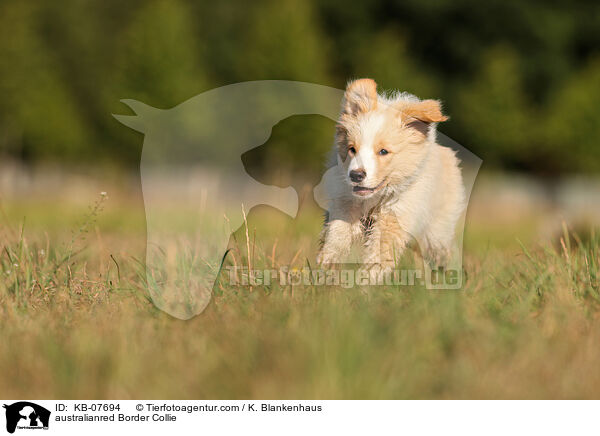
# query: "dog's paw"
326, 259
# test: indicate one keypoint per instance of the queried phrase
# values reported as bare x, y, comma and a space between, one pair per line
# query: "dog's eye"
382, 152
352, 150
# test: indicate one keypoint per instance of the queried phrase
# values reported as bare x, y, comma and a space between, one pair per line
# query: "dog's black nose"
357, 176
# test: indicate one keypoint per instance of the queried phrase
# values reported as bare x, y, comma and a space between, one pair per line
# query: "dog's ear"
427, 111
360, 96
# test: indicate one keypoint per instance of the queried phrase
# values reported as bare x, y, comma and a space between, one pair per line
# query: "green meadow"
77, 321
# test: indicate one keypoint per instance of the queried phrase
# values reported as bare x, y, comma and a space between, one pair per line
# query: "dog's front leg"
385, 242
339, 232
336, 241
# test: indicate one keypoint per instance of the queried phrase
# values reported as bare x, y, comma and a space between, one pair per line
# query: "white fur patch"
366, 157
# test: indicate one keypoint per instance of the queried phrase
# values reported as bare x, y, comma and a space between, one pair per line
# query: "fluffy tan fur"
411, 187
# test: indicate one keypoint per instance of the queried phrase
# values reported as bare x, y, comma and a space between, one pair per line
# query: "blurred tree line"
520, 80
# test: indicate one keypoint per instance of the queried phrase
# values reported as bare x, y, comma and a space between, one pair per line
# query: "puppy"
393, 182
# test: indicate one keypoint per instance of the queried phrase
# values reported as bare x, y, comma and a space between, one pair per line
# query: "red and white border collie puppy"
393, 182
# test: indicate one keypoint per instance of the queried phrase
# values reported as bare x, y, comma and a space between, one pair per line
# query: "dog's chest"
377, 211
367, 221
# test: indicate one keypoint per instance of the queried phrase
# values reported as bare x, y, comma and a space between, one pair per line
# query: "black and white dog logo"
26, 415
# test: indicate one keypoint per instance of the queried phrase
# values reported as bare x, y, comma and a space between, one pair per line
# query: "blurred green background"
520, 80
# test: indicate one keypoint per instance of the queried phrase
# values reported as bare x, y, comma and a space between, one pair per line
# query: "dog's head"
383, 141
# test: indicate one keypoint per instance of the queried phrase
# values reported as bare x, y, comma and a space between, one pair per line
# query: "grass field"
76, 320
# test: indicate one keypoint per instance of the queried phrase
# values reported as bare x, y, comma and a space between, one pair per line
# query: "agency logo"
26, 415
193, 156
